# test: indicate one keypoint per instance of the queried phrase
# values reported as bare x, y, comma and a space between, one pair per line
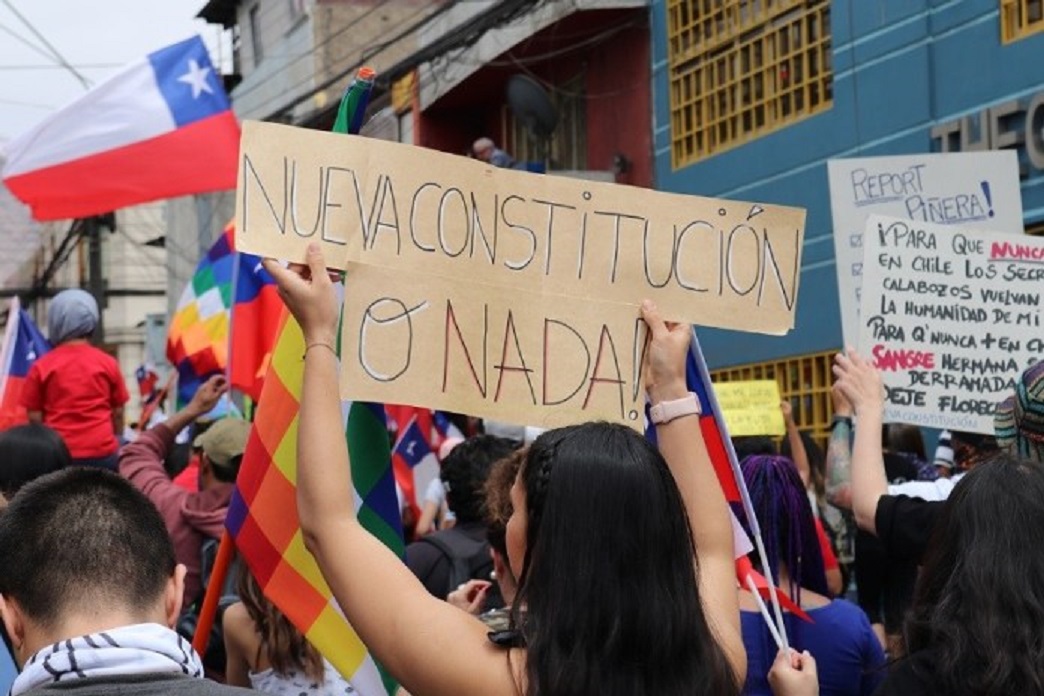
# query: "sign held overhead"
514, 295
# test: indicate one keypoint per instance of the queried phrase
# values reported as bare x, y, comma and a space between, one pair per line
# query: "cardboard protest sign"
553, 269
510, 355
968, 189
751, 408
950, 317
708, 261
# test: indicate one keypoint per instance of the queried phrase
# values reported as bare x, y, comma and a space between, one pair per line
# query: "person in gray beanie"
77, 389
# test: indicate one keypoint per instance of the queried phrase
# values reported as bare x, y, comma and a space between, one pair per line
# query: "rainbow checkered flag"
262, 517
197, 341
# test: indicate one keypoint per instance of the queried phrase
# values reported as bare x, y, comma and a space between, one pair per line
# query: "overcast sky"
96, 37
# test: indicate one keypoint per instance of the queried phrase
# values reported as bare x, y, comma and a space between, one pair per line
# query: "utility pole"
96, 283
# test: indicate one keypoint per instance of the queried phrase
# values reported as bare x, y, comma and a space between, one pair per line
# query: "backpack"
469, 558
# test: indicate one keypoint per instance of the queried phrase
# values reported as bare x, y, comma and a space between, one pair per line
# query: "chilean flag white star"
196, 77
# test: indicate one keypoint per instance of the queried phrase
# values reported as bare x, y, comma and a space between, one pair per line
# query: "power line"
90, 66
366, 55
463, 36
26, 42
313, 52
61, 59
15, 102
61, 255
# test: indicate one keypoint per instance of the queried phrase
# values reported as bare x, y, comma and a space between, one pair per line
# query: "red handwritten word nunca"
902, 359
1000, 251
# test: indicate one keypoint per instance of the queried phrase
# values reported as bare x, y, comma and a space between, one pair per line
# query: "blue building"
752, 97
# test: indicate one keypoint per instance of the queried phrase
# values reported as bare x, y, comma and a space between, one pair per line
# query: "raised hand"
859, 382
665, 358
842, 406
208, 394
309, 295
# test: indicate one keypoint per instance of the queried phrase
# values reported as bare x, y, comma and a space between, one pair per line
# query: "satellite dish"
532, 106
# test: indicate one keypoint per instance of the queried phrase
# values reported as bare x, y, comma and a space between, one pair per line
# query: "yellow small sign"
751, 408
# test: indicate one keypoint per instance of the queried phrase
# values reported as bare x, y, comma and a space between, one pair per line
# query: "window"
255, 34
567, 146
804, 381
741, 68
405, 120
1036, 229
1021, 18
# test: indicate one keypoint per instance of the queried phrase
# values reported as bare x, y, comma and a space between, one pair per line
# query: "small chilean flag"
23, 344
414, 463
723, 458
160, 128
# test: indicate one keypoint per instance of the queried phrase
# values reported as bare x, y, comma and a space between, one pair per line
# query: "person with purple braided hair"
848, 655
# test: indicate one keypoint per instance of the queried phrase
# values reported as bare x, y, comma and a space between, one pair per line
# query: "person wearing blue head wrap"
76, 388
72, 314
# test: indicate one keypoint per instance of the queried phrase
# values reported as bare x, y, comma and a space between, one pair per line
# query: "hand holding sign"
787, 410
665, 358
497, 292
309, 295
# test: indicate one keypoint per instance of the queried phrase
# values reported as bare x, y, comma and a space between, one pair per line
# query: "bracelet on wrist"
837, 420
318, 344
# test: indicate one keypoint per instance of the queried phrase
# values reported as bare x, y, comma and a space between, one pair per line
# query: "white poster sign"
968, 189
950, 317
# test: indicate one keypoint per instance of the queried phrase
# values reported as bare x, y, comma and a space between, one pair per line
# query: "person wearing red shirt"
77, 389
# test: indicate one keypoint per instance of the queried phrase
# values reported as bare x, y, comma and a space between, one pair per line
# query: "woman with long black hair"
975, 626
623, 553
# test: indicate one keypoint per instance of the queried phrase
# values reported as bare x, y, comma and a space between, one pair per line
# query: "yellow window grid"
1021, 18
742, 68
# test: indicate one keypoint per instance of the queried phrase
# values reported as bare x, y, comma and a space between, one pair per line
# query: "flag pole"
741, 485
8, 345
208, 610
146, 412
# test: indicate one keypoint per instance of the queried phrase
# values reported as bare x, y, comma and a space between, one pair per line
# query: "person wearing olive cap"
190, 518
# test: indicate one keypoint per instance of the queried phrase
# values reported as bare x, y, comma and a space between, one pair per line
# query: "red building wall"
619, 106
617, 87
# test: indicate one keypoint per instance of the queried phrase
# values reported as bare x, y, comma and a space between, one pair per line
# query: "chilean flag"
443, 430
23, 344
160, 128
414, 463
726, 466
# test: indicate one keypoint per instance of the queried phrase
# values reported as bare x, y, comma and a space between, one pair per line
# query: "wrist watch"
666, 411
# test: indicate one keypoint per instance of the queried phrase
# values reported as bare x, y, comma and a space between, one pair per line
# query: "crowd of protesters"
578, 561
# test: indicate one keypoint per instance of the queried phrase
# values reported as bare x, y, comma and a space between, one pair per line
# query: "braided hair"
608, 600
788, 527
